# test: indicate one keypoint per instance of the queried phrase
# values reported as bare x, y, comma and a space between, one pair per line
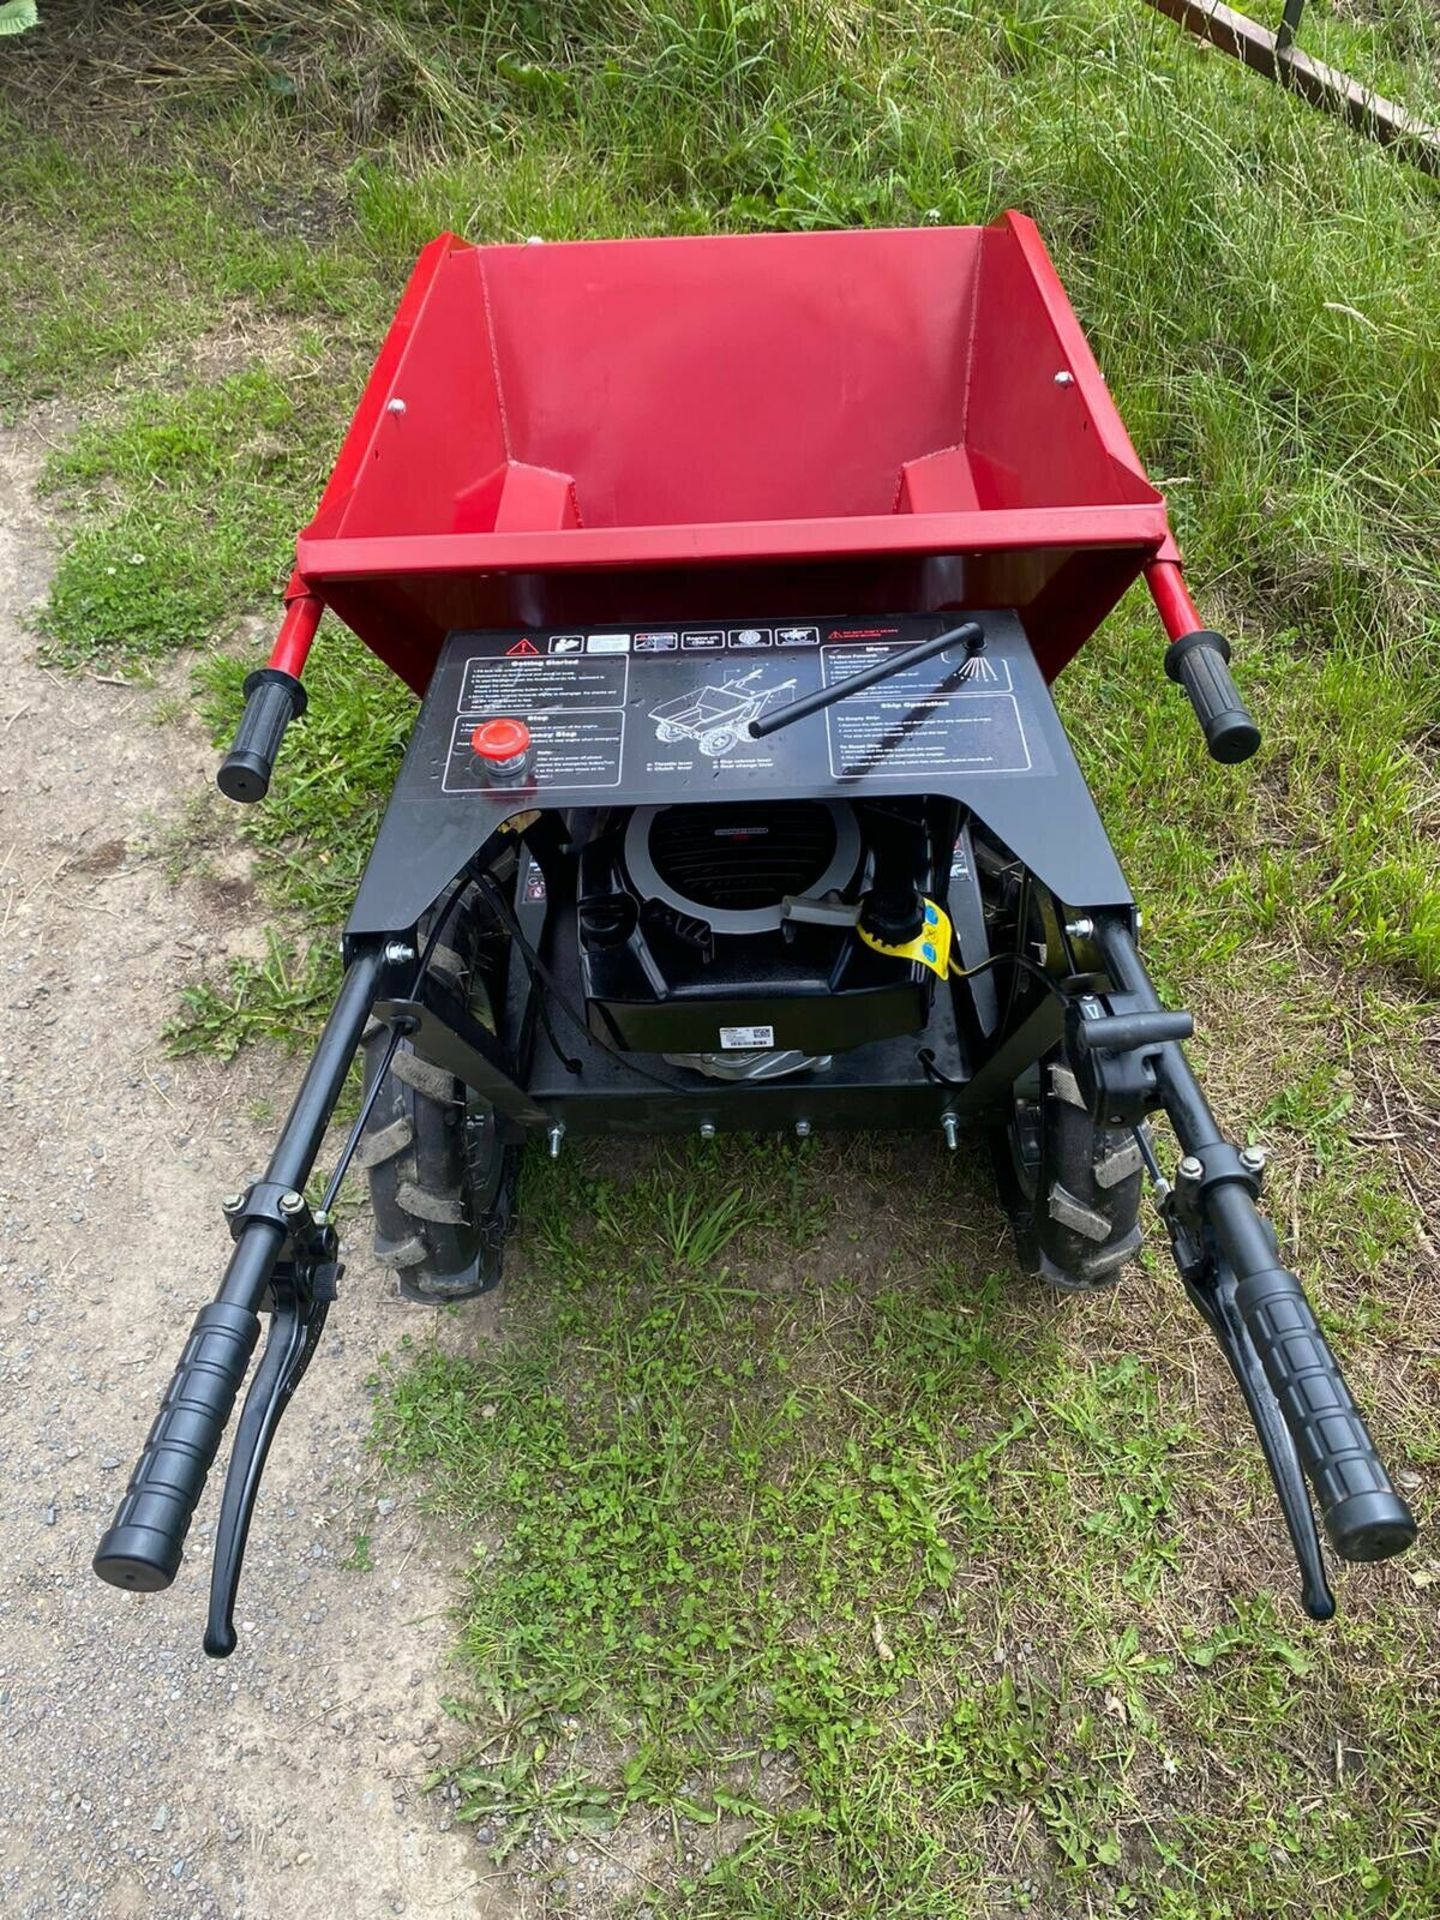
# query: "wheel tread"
423, 1203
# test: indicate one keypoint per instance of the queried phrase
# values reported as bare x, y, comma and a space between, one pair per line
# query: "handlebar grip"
1200, 662
141, 1550
1364, 1516
272, 700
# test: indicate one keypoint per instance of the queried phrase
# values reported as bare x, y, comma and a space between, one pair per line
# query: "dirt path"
136, 1776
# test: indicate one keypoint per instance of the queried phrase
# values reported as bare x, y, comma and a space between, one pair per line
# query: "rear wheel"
1070, 1185
442, 1177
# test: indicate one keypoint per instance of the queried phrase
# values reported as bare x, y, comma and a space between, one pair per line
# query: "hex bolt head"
321, 1219
1190, 1168
396, 406
232, 1203
399, 953
292, 1202
1064, 378
802, 1129
1252, 1159
1082, 928
707, 1129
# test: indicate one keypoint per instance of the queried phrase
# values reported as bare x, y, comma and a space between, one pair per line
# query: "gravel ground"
136, 1776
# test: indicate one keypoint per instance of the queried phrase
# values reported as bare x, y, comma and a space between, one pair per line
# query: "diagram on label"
716, 717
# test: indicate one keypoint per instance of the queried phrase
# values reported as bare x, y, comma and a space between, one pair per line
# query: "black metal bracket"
1201, 1172
1115, 1041
444, 1032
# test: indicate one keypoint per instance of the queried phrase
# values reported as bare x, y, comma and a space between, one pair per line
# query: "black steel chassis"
1065, 974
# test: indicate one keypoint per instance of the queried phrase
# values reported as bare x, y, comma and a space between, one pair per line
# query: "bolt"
802, 1129
1190, 1168
396, 406
1252, 1159
232, 1203
292, 1202
321, 1219
555, 1136
1081, 929
399, 953
707, 1129
950, 1127
1064, 378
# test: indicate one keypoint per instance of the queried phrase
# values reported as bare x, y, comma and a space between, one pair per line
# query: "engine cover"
686, 947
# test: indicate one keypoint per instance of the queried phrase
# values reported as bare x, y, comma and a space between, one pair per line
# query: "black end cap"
244, 776
136, 1559
1232, 738
1370, 1526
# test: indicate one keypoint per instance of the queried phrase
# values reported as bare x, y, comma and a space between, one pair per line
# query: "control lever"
971, 636
1212, 1287
302, 1287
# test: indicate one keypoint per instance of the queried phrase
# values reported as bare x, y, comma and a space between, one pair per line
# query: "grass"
821, 1567
843, 1576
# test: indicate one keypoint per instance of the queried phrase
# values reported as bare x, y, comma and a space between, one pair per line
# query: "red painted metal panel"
728, 421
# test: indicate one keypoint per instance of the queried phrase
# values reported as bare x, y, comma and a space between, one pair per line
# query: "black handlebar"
142, 1549
1364, 1516
1200, 662
272, 700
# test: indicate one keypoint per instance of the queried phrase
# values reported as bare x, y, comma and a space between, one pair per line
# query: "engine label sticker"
525, 684
746, 1037
569, 750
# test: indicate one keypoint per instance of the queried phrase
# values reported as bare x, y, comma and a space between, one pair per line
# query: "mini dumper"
731, 575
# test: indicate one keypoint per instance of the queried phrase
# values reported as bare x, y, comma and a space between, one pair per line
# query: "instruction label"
541, 683
947, 673
680, 700
948, 715
886, 737
570, 750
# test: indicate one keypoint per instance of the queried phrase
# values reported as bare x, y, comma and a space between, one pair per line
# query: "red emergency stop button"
502, 747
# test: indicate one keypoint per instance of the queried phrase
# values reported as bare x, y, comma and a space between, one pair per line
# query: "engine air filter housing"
733, 865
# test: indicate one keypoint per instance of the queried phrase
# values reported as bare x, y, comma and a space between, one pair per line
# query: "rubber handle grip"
1200, 662
1364, 1516
142, 1549
272, 700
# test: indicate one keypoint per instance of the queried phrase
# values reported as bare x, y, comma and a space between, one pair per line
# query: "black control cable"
926, 1055
398, 1030
539, 971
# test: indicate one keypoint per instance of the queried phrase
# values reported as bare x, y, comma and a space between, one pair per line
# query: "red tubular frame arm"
1178, 613
297, 630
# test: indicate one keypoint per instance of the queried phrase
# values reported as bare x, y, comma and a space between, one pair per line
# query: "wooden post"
1280, 60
